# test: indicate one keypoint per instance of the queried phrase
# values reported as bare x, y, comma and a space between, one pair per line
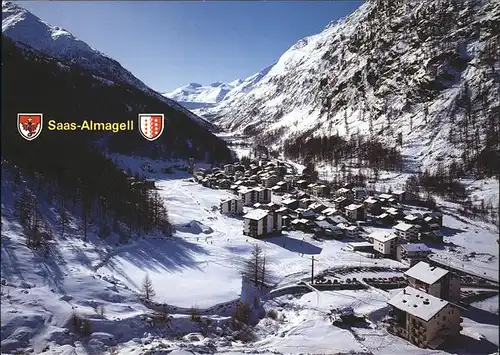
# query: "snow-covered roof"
383, 215
426, 273
404, 227
323, 224
398, 192
382, 237
412, 217
418, 303
288, 201
229, 199
329, 210
414, 247
370, 200
385, 196
256, 214
360, 244
353, 207
343, 190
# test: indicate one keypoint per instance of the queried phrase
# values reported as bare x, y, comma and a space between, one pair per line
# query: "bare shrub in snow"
147, 290
273, 314
100, 310
81, 325
194, 314
246, 334
242, 313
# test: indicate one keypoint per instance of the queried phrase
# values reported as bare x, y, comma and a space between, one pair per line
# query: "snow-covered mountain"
207, 101
23, 27
427, 71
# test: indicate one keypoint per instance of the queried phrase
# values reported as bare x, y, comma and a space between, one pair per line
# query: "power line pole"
312, 269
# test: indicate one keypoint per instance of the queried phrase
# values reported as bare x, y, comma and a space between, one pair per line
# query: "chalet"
259, 223
290, 203
386, 199
301, 194
413, 253
396, 213
345, 192
400, 195
359, 193
423, 319
272, 206
231, 206
270, 180
342, 202
384, 244
406, 231
350, 231
317, 207
433, 236
338, 220
301, 184
384, 219
414, 219
330, 211
434, 217
258, 205
225, 184
320, 190
307, 214
355, 212
305, 202
372, 205
310, 187
283, 186
434, 281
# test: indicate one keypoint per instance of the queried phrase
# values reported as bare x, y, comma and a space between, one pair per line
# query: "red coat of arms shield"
29, 125
151, 125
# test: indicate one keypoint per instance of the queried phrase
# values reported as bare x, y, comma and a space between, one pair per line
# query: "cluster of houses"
311, 207
425, 312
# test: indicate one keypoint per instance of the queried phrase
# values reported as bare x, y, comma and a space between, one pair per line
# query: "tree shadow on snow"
295, 245
450, 232
159, 256
481, 316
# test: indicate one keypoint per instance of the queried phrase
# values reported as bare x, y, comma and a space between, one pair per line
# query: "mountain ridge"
24, 27
428, 72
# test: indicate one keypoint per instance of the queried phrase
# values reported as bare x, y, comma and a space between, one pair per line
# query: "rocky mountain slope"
426, 72
22, 26
207, 100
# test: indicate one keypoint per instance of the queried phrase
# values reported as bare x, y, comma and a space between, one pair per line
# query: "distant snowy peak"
209, 100
26, 29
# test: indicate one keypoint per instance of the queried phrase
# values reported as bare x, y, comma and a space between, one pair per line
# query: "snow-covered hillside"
27, 29
207, 101
427, 70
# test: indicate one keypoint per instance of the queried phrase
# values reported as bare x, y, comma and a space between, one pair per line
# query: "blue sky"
170, 44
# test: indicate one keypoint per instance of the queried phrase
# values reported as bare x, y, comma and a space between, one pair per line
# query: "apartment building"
406, 231
423, 319
232, 206
412, 253
384, 244
435, 281
355, 212
260, 223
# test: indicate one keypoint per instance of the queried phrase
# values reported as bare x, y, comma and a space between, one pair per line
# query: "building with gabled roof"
424, 320
231, 205
434, 280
